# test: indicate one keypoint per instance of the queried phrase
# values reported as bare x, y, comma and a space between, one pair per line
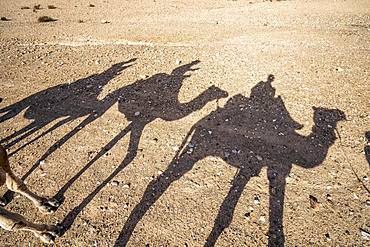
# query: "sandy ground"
123, 83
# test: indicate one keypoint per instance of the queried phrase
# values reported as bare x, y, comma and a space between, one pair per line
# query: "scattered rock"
226, 155
339, 69
262, 219
328, 197
257, 199
45, 19
137, 113
25, 7
104, 22
313, 202
115, 183
178, 62
42, 162
258, 157
51, 7
247, 215
36, 7
3, 18
91, 5
126, 186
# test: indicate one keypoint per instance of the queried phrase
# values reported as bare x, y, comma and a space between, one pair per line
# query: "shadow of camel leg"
52, 128
154, 190
22, 133
277, 184
105, 149
136, 132
8, 196
225, 214
60, 142
16, 222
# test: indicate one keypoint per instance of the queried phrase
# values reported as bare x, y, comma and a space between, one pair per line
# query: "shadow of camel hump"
248, 133
141, 103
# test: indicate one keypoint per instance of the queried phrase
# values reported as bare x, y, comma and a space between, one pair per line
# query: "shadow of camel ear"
270, 78
1, 99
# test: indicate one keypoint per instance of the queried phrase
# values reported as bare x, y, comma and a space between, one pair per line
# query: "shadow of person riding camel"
67, 102
249, 134
141, 103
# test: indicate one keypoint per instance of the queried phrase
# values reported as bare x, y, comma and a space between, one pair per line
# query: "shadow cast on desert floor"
249, 134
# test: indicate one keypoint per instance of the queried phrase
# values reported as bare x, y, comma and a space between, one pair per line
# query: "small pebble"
259, 157
115, 183
262, 219
339, 69
328, 197
257, 200
126, 186
313, 201
137, 113
227, 155
178, 62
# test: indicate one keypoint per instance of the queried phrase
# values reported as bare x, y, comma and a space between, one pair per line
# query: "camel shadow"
68, 102
141, 103
249, 134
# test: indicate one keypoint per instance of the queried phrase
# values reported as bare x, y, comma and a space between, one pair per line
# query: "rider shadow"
247, 133
141, 103
68, 101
